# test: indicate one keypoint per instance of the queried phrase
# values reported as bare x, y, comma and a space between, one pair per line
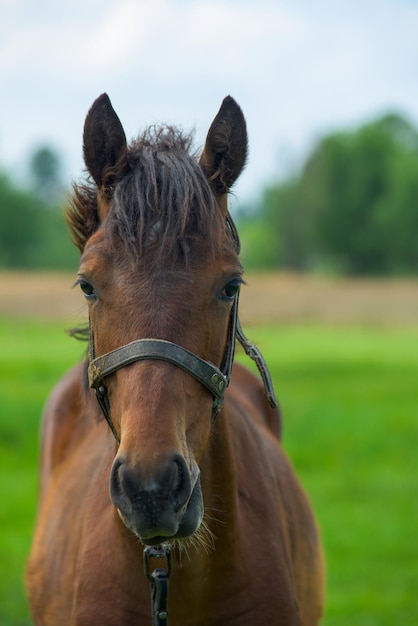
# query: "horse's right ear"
104, 143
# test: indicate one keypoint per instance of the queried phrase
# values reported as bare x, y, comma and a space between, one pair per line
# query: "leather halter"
215, 379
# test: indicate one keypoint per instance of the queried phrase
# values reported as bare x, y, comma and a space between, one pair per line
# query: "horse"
158, 450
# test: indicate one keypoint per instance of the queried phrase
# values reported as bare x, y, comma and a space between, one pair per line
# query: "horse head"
159, 262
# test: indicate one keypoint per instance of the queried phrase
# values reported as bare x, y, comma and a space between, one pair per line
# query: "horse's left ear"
225, 151
104, 143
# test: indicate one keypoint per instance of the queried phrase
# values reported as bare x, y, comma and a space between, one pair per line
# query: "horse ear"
225, 151
104, 143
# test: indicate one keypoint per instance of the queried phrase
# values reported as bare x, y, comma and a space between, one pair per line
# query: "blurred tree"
45, 168
19, 227
32, 235
258, 244
347, 182
354, 206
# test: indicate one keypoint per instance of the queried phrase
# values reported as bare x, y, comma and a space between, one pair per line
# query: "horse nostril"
117, 489
135, 488
182, 486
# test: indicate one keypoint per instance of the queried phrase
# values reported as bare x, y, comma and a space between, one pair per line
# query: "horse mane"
162, 199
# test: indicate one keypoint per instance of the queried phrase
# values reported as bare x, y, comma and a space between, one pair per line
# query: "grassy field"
349, 396
32, 358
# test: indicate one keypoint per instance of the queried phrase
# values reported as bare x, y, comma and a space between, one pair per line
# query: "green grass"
32, 358
350, 402
349, 397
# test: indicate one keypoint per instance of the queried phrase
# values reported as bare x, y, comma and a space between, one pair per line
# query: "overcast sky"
298, 68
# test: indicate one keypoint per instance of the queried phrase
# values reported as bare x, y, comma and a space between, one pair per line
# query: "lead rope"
159, 582
255, 355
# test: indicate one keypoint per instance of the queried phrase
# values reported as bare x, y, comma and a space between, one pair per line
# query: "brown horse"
161, 275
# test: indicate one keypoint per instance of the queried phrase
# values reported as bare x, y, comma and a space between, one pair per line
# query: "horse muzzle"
160, 503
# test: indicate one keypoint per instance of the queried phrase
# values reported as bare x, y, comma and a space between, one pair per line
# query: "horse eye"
231, 289
87, 289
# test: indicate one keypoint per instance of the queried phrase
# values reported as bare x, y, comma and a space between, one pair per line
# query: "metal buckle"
159, 582
161, 551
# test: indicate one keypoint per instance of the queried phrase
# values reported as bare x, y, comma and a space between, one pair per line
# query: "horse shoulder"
62, 419
248, 390
268, 485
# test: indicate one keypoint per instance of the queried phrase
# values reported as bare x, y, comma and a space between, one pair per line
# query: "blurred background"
327, 210
329, 92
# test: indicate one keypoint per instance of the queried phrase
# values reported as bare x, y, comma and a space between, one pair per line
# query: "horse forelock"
163, 201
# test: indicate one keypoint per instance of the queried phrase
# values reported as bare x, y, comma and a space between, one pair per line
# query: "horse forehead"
96, 253
163, 275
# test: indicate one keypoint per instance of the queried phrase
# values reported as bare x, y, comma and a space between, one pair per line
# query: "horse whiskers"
202, 538
216, 520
